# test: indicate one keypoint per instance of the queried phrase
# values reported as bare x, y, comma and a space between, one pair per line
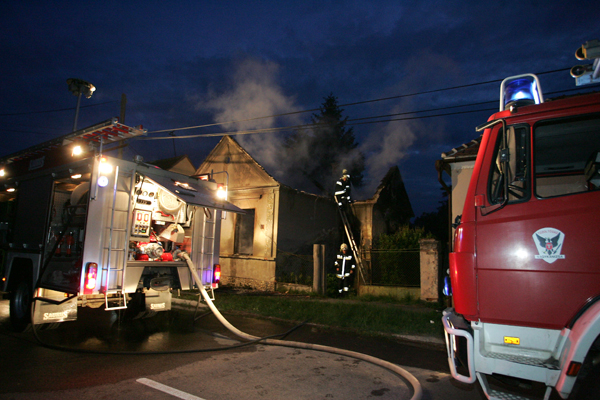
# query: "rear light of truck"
216, 273
91, 274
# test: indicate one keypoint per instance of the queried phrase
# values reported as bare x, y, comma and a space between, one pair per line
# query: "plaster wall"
248, 271
264, 202
430, 259
461, 173
249, 186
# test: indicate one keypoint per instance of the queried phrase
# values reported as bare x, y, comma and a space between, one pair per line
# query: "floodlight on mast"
80, 87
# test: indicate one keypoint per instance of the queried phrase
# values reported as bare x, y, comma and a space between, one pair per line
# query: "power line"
353, 122
443, 89
350, 104
350, 122
57, 110
22, 131
457, 106
422, 111
308, 126
246, 132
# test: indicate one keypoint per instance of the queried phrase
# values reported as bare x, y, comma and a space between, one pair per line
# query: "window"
244, 233
567, 156
511, 163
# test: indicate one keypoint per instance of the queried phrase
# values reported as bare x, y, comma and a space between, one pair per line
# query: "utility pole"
122, 120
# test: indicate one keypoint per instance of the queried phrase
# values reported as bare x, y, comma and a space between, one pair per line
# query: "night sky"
190, 63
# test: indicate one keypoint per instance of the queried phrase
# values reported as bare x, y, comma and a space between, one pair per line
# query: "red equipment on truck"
525, 275
78, 228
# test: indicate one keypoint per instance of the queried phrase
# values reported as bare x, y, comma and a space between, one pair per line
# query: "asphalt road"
107, 359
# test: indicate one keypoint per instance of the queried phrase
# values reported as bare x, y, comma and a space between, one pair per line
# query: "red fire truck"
525, 269
81, 229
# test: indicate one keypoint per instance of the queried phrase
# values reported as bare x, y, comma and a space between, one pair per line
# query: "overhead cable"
350, 122
349, 104
57, 110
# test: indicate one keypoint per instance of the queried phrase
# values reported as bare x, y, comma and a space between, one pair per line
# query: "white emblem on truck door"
549, 243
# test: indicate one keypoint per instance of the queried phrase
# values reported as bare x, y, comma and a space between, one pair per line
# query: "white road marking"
168, 389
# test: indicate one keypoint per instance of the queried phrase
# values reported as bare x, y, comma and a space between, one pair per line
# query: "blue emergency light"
447, 286
520, 90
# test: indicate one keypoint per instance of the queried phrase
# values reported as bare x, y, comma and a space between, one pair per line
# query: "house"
182, 165
458, 163
276, 234
388, 209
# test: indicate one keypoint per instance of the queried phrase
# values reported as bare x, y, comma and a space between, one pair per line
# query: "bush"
332, 285
395, 257
297, 278
405, 238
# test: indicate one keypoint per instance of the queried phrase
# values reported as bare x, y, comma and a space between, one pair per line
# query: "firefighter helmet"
343, 247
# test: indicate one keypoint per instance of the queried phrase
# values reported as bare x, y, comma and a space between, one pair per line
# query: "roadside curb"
429, 340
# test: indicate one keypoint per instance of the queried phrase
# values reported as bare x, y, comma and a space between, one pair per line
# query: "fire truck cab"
90, 230
525, 275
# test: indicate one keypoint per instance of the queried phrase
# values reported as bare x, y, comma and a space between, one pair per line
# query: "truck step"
496, 395
493, 394
536, 362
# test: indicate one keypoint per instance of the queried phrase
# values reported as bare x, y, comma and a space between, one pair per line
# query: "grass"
365, 314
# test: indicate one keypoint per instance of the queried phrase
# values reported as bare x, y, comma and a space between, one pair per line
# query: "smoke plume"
255, 92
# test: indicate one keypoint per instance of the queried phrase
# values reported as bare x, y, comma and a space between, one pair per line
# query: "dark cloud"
189, 63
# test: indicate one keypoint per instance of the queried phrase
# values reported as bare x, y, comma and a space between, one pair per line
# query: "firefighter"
342, 189
344, 268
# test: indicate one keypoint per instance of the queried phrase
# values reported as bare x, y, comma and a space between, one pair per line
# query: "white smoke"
255, 92
389, 145
384, 148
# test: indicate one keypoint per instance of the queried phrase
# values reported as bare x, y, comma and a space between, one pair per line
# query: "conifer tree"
321, 151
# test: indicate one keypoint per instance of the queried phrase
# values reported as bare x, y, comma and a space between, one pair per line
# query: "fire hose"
418, 391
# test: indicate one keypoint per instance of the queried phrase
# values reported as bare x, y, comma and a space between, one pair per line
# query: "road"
123, 369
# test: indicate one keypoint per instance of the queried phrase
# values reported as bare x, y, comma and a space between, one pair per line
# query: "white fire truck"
81, 229
525, 269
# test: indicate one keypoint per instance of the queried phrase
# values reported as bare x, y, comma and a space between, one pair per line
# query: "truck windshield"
567, 156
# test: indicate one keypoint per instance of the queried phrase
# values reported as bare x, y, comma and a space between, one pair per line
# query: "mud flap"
158, 300
59, 310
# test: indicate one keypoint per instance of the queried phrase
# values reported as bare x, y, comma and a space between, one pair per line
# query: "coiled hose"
418, 391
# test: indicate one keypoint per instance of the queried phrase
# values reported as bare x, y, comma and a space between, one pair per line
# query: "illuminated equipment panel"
141, 223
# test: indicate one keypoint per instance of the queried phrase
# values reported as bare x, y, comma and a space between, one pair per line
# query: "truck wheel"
589, 387
20, 306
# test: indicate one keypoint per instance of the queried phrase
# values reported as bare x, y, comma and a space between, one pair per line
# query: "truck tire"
20, 306
588, 388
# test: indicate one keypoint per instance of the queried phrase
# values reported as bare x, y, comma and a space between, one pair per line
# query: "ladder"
117, 235
353, 245
207, 245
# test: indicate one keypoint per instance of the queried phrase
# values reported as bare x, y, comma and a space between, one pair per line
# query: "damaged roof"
464, 152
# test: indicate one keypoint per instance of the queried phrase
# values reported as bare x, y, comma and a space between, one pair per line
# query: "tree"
320, 152
436, 222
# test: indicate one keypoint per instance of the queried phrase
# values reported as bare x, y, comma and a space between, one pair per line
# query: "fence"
394, 268
383, 268
294, 268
